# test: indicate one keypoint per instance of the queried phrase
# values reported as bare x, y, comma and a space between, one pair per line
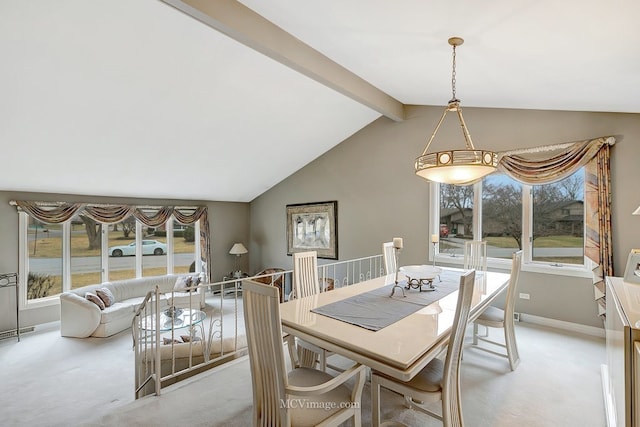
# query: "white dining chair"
389, 257
305, 274
300, 397
494, 317
306, 283
439, 380
475, 255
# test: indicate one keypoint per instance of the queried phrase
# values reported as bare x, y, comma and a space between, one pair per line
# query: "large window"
501, 215
86, 251
545, 221
44, 251
81, 251
558, 221
121, 249
456, 218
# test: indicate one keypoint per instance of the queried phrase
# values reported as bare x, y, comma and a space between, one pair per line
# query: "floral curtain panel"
598, 245
551, 163
59, 212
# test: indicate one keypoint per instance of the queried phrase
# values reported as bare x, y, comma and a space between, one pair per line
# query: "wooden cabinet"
621, 374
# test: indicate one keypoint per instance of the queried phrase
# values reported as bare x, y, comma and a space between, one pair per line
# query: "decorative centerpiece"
421, 275
173, 312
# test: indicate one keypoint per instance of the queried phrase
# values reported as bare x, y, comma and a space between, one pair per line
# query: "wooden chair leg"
475, 333
510, 344
323, 361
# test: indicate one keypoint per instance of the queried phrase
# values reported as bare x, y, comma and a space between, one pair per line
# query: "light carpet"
48, 380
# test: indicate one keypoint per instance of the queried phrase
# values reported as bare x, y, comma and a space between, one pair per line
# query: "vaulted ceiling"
221, 100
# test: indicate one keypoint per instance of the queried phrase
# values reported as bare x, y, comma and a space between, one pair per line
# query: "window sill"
564, 270
505, 264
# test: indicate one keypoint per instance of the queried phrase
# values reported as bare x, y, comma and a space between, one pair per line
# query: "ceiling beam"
251, 29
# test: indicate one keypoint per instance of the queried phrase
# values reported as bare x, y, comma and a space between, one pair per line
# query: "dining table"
400, 346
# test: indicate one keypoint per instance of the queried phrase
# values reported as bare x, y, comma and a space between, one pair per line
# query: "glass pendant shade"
458, 167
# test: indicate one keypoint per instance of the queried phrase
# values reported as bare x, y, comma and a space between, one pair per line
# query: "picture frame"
632, 271
313, 227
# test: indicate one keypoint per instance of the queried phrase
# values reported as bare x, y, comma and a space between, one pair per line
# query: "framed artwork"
313, 227
632, 272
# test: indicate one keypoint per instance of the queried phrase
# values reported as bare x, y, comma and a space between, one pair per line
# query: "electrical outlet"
524, 296
516, 317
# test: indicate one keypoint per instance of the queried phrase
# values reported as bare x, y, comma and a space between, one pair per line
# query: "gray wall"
371, 176
228, 224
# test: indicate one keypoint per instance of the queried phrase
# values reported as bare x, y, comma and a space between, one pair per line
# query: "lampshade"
459, 167
238, 249
637, 211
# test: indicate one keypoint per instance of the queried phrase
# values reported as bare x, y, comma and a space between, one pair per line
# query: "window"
501, 215
80, 251
86, 251
456, 218
44, 272
558, 221
184, 249
121, 239
546, 221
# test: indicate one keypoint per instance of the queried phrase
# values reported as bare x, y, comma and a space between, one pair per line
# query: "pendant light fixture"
458, 167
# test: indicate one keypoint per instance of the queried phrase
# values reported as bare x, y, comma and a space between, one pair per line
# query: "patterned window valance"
151, 216
59, 212
550, 163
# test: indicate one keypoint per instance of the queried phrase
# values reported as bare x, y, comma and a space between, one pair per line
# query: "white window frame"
573, 270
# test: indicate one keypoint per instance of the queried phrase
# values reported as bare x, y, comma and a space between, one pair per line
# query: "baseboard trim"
561, 324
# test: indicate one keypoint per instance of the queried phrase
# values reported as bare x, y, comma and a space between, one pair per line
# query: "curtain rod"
40, 203
610, 140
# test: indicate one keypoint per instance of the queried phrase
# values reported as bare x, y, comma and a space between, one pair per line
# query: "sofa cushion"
95, 299
117, 311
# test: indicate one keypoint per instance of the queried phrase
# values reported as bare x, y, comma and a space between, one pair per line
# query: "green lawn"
540, 242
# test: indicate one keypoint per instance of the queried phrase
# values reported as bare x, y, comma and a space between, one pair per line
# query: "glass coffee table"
174, 318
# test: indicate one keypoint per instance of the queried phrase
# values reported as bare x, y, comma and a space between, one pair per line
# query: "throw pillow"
195, 281
182, 283
106, 296
95, 299
187, 338
168, 341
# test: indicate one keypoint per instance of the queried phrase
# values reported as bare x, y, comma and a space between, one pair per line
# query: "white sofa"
81, 318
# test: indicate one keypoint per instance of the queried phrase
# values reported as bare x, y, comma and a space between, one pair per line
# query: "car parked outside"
149, 247
444, 231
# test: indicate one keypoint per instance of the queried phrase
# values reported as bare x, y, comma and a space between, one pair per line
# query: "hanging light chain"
453, 76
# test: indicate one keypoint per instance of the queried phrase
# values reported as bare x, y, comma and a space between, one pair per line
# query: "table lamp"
238, 250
